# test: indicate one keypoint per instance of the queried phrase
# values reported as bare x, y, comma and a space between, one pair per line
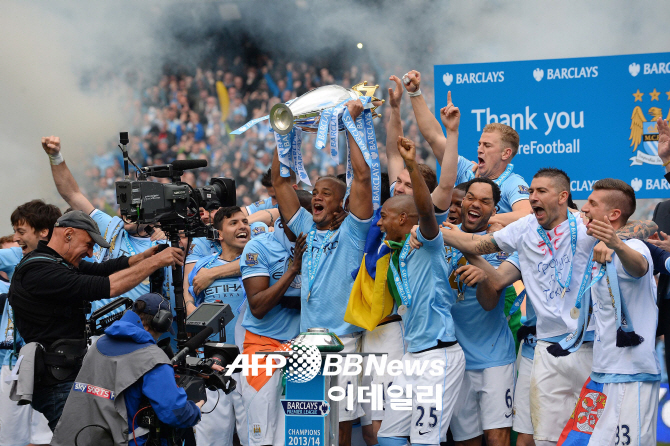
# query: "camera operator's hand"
169, 257
200, 404
146, 254
157, 235
51, 144
218, 368
150, 252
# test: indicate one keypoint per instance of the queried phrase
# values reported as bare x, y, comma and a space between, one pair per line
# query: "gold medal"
402, 309
461, 296
574, 312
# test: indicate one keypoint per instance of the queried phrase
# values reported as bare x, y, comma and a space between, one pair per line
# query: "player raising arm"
497, 147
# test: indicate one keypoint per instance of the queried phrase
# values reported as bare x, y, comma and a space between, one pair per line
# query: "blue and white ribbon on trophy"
362, 130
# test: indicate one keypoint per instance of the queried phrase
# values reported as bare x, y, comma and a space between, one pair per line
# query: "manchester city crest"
643, 132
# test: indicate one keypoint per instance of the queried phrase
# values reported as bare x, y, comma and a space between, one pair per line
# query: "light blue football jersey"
513, 189
123, 244
428, 317
332, 285
464, 171
7, 330
9, 258
266, 256
228, 290
261, 205
201, 248
484, 335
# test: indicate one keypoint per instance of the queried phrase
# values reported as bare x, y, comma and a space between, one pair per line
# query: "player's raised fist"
407, 148
412, 81
51, 144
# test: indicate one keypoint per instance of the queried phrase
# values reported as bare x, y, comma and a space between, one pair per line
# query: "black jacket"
48, 295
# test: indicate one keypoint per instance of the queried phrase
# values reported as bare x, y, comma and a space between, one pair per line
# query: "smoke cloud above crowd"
49, 50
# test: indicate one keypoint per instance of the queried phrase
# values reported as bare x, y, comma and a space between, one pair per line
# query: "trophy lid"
322, 338
321, 98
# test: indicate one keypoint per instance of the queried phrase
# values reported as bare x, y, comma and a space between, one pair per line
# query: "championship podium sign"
311, 418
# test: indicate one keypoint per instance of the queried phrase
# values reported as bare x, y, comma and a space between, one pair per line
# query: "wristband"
56, 159
666, 163
414, 94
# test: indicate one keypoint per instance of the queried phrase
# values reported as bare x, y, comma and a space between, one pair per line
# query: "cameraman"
126, 239
49, 293
123, 374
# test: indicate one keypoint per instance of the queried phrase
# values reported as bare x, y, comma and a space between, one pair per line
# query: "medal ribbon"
624, 324
517, 302
395, 247
401, 279
456, 257
572, 221
313, 262
574, 340
501, 179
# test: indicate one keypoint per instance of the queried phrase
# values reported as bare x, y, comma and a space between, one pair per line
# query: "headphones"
162, 320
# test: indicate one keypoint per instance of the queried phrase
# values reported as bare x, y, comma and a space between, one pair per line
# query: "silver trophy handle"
281, 119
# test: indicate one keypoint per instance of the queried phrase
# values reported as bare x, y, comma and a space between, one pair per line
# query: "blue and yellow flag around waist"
370, 300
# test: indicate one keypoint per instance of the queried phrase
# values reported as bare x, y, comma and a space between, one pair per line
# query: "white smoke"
47, 48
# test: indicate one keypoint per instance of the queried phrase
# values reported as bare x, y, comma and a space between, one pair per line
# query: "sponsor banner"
592, 117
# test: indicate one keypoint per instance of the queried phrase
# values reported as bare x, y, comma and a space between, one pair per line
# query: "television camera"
175, 205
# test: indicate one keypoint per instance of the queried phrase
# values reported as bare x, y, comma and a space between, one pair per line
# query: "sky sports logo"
565, 73
481, 77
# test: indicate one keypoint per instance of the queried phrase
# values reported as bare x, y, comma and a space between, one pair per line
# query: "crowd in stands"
190, 115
